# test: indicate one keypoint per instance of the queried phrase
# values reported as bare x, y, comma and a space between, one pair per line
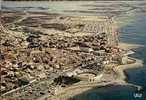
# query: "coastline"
121, 80
138, 63
76, 34
120, 71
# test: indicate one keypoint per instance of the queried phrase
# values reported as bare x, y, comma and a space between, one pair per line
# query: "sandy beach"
87, 86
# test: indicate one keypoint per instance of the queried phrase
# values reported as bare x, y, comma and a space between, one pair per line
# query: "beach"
87, 86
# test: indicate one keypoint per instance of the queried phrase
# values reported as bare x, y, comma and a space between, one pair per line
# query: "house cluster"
53, 47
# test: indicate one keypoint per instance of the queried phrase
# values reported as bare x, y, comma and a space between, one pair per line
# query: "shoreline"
64, 94
102, 82
46, 45
119, 70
